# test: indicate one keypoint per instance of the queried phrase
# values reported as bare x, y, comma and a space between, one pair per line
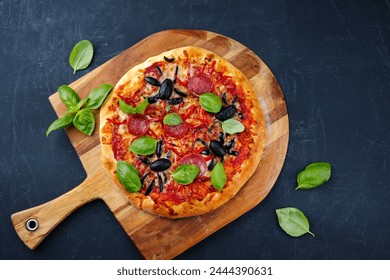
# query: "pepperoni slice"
197, 160
200, 83
177, 131
138, 124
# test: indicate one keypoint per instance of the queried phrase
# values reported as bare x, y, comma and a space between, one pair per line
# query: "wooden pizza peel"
156, 237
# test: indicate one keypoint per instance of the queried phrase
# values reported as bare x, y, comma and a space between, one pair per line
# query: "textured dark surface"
332, 60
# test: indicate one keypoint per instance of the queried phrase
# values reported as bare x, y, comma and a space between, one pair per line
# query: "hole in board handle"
32, 224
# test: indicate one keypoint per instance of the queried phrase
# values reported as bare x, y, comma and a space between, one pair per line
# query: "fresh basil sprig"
232, 126
185, 174
172, 119
74, 109
314, 175
144, 145
218, 176
210, 102
81, 55
293, 221
128, 176
128, 109
82, 118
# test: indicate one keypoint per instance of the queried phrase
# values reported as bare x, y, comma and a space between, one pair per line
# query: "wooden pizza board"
156, 237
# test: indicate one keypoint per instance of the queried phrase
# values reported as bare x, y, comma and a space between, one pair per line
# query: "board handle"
34, 224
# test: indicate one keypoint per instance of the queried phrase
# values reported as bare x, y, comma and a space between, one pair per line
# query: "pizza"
182, 132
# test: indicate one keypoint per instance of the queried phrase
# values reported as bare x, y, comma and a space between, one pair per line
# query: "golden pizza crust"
133, 79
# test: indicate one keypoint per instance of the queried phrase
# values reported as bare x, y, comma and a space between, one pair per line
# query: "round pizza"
182, 132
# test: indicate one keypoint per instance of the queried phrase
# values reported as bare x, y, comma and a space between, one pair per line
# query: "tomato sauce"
177, 193
117, 144
132, 99
152, 69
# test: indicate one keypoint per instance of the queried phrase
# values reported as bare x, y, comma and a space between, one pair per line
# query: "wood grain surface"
156, 237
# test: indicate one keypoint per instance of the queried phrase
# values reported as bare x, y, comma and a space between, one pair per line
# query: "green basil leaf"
144, 145
218, 176
128, 176
140, 109
75, 109
128, 109
81, 55
210, 102
68, 96
232, 126
60, 123
185, 174
167, 108
314, 175
293, 221
172, 119
84, 121
97, 96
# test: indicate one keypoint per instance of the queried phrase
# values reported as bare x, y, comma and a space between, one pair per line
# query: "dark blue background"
332, 60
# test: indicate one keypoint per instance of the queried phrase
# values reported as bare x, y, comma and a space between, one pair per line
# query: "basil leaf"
218, 176
81, 55
60, 123
84, 121
68, 96
140, 109
97, 96
210, 102
128, 176
293, 221
75, 109
144, 145
314, 175
128, 109
185, 174
172, 119
232, 126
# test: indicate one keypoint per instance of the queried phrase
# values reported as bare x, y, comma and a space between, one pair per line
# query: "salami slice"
177, 131
197, 160
138, 124
199, 84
